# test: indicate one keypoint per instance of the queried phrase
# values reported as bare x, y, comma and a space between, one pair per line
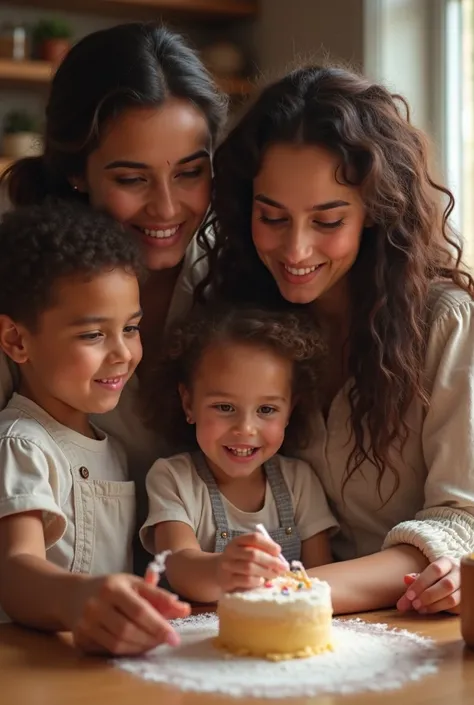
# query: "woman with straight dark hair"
324, 199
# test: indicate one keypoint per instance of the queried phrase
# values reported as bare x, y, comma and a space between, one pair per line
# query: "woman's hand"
122, 615
247, 561
435, 589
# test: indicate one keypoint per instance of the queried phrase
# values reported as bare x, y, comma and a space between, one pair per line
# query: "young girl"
324, 198
70, 312
233, 383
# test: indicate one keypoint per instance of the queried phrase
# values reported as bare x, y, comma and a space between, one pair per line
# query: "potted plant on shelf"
52, 38
20, 135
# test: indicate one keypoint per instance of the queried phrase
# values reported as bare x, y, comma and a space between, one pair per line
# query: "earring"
189, 419
75, 188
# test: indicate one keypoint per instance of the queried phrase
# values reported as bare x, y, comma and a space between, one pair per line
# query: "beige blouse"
433, 508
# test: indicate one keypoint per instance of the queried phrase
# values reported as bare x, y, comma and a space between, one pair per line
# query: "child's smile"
85, 348
240, 402
242, 453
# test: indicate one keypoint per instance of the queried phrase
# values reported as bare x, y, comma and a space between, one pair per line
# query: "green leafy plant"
51, 29
18, 121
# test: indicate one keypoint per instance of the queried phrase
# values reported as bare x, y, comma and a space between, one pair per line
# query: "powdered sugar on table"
366, 657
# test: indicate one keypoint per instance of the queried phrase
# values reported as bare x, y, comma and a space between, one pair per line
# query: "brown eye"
267, 410
225, 408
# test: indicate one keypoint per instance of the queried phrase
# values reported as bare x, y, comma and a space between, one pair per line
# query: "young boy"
69, 318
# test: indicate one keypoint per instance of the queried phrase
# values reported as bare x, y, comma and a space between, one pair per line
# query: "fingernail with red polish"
410, 578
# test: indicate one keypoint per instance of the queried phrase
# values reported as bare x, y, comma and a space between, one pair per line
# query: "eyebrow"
329, 205
90, 320
200, 154
226, 394
124, 163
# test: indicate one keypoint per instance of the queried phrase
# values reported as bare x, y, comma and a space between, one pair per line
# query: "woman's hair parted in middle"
129, 66
293, 336
407, 245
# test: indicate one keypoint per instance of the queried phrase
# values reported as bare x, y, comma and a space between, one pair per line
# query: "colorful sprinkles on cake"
295, 580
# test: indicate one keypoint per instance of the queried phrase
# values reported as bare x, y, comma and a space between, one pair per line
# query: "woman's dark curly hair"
408, 246
293, 336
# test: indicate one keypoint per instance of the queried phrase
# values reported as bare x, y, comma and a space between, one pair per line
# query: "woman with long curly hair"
324, 199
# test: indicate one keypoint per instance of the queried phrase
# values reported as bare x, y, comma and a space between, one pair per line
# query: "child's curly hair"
58, 238
293, 336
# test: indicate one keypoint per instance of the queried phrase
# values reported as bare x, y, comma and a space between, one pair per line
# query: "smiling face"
85, 348
306, 226
151, 171
240, 402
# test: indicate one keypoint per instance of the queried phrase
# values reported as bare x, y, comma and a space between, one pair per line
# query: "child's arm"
316, 550
202, 577
190, 571
116, 614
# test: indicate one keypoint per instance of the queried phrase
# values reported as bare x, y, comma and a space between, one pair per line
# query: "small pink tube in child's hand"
155, 568
262, 530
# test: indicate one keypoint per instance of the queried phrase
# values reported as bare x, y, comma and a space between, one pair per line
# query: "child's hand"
435, 589
247, 561
122, 615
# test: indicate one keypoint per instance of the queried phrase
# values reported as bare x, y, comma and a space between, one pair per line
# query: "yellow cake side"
276, 638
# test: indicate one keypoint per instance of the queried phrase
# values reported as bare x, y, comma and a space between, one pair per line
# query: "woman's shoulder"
448, 300
450, 345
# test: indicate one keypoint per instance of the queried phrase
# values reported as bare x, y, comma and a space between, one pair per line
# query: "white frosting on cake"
272, 602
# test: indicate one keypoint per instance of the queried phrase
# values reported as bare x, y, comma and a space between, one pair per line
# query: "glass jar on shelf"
14, 42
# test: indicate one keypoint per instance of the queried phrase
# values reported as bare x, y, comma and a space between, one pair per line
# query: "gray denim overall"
286, 535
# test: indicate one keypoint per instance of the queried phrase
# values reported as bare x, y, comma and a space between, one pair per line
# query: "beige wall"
290, 30
403, 58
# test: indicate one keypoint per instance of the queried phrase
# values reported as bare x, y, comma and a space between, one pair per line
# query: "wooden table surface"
39, 669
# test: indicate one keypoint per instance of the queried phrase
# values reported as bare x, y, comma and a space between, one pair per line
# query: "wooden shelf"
222, 8
25, 71
41, 72
205, 9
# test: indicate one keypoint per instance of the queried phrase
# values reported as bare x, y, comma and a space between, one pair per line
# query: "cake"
288, 617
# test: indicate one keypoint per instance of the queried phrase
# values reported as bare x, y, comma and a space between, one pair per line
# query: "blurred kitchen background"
420, 48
